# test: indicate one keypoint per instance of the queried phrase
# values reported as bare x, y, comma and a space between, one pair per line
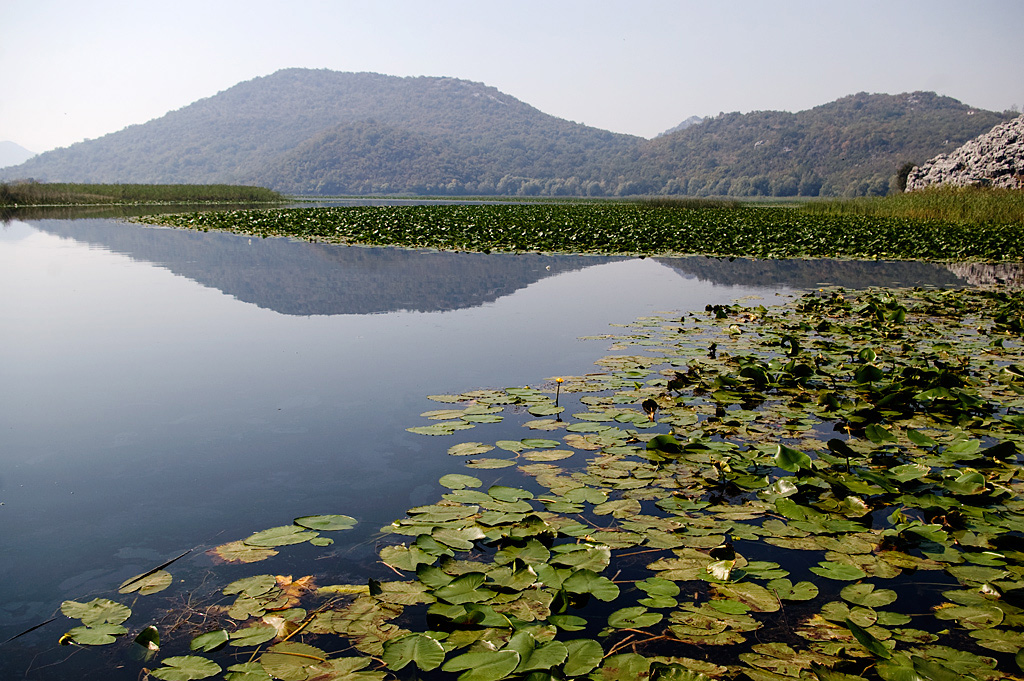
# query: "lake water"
166, 390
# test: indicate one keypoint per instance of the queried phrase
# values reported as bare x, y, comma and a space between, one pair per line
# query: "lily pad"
210, 641
326, 523
146, 583
97, 611
284, 535
469, 449
186, 668
425, 652
95, 635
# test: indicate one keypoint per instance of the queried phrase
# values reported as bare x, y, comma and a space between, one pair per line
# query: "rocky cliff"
995, 159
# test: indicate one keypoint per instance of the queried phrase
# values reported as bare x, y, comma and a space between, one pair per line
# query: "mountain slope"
852, 146
319, 131
237, 134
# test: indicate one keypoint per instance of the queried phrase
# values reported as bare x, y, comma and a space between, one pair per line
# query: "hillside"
325, 132
271, 130
849, 147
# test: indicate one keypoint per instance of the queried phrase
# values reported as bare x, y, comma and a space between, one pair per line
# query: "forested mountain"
325, 132
850, 147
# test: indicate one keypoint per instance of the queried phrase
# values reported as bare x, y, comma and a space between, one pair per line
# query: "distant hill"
850, 147
12, 154
692, 120
326, 132
272, 131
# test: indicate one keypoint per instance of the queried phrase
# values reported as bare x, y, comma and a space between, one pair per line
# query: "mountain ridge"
321, 131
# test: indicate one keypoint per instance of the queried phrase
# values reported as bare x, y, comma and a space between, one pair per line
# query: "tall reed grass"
51, 194
952, 204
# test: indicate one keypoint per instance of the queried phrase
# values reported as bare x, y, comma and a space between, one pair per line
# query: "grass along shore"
17, 194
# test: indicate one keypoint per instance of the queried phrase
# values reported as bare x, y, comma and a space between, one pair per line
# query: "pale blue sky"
76, 70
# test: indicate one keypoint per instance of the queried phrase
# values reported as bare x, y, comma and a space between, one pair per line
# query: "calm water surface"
165, 390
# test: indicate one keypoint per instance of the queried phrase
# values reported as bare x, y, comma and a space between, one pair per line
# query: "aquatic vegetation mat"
626, 228
825, 489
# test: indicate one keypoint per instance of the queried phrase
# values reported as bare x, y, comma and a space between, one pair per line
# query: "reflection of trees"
301, 278
981, 274
813, 273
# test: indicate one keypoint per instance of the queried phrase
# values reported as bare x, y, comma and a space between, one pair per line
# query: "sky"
76, 70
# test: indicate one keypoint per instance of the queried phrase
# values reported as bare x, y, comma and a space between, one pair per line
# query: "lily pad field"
825, 489
828, 486
628, 228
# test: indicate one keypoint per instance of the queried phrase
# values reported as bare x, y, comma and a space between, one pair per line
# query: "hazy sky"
76, 69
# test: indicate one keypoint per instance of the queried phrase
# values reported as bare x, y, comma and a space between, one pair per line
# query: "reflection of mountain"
813, 273
300, 278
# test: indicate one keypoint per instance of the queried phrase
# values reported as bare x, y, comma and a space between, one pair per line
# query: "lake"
167, 390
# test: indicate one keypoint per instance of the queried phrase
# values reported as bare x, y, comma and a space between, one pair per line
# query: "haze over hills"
12, 154
327, 132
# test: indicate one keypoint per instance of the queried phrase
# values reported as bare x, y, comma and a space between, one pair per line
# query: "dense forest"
326, 132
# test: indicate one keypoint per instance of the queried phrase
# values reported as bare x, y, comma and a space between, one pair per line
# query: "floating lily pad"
423, 651
489, 463
458, 481
469, 449
326, 523
147, 583
210, 641
838, 571
186, 668
284, 535
292, 660
239, 552
96, 634
97, 611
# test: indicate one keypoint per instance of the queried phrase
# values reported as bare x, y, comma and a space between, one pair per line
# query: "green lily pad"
459, 481
292, 661
867, 595
326, 523
280, 536
97, 611
589, 582
210, 641
186, 668
469, 449
146, 584
96, 635
584, 655
838, 571
490, 463
425, 652
253, 635
256, 585
637, 617
484, 666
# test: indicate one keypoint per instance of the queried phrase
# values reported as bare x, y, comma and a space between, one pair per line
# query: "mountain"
326, 132
272, 131
850, 147
692, 120
12, 154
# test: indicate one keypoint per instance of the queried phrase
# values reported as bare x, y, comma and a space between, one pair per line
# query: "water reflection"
293, 277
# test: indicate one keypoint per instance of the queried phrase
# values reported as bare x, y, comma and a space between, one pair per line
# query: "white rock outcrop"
995, 159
